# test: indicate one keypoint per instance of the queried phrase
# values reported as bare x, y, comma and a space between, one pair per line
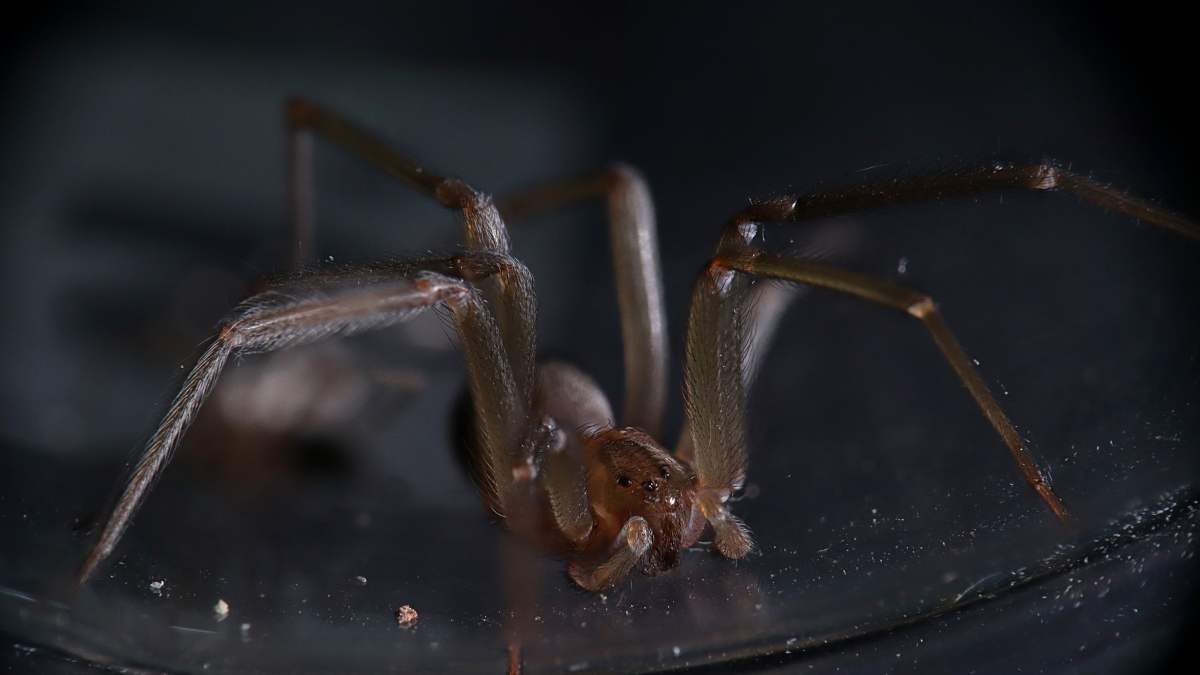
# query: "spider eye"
664, 471
624, 481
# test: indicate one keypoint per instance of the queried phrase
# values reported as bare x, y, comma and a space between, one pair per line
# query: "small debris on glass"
157, 585
221, 609
406, 617
360, 580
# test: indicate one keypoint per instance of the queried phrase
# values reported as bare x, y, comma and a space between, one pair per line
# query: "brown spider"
542, 442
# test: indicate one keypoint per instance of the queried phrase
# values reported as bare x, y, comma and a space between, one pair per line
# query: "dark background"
142, 171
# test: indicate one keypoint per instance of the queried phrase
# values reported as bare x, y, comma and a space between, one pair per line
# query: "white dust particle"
406, 617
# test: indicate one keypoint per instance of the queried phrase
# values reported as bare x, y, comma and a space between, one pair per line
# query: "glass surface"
893, 530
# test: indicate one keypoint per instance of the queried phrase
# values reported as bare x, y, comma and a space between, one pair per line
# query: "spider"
542, 442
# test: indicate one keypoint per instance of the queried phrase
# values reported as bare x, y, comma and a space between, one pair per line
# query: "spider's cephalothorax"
629, 475
544, 448
612, 499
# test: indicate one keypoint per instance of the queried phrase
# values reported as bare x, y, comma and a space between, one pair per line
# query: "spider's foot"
732, 538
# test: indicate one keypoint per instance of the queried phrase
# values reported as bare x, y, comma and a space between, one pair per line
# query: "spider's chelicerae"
543, 445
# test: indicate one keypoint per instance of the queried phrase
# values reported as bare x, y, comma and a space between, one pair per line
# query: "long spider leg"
919, 306
714, 399
310, 309
633, 541
713, 383
767, 304
484, 229
1039, 177
636, 267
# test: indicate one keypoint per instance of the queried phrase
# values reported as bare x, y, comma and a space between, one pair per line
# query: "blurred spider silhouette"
541, 439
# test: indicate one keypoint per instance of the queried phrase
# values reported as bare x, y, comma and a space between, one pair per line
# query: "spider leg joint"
456, 194
720, 276
299, 112
922, 307
748, 223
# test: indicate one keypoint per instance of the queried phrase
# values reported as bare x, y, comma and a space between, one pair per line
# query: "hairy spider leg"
632, 233
1042, 177
484, 229
315, 306
714, 399
634, 242
720, 456
768, 301
923, 308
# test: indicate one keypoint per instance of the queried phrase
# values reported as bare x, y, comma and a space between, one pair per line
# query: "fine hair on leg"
309, 308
